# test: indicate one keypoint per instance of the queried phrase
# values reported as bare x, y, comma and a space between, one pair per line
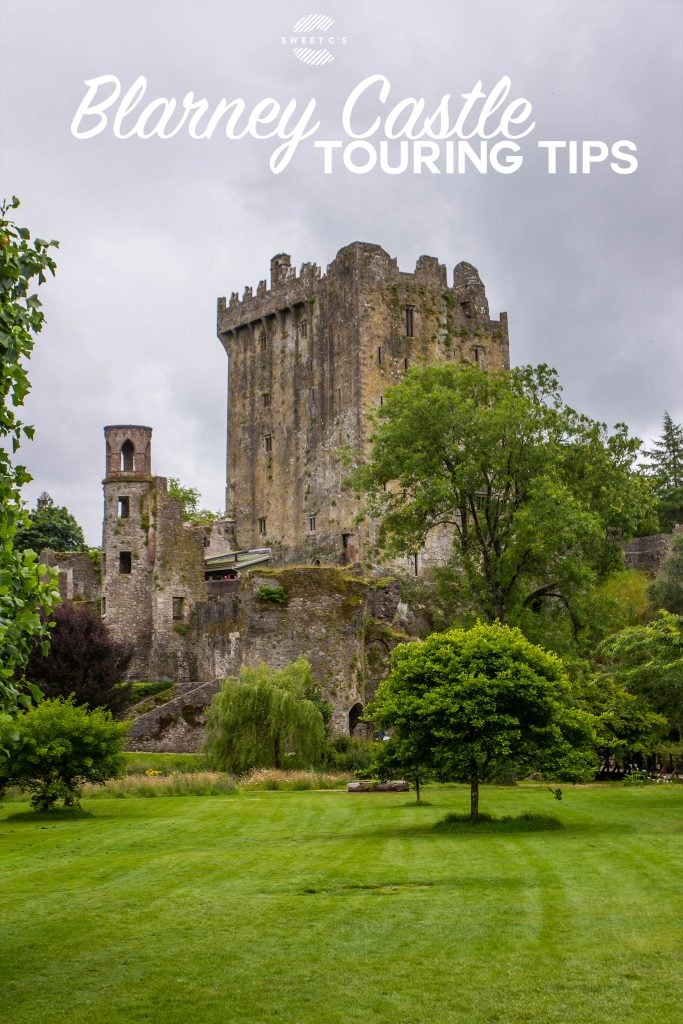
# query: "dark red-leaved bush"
83, 660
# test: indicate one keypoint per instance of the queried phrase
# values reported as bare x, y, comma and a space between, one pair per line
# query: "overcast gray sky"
588, 266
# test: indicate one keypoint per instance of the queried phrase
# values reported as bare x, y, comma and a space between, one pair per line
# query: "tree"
56, 746
82, 660
265, 719
667, 589
648, 660
537, 496
626, 727
189, 500
27, 590
49, 526
666, 468
408, 757
618, 601
479, 704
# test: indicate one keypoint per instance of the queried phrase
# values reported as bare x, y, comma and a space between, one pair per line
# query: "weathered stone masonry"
308, 357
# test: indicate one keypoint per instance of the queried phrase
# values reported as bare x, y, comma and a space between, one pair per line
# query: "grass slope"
331, 908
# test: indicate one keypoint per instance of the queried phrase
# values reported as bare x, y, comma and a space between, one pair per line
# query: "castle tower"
152, 562
128, 540
308, 358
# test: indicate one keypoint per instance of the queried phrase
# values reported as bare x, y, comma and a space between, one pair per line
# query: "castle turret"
128, 540
152, 563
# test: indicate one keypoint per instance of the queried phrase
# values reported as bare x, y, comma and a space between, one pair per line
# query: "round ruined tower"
128, 541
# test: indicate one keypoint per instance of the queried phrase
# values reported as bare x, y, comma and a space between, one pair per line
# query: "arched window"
127, 456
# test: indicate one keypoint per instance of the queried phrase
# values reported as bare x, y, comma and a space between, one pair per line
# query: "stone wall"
345, 626
79, 577
647, 553
327, 616
177, 726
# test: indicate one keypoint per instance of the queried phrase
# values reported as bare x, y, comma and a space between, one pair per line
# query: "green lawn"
331, 908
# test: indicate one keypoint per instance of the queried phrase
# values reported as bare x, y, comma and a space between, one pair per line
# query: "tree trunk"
417, 789
474, 799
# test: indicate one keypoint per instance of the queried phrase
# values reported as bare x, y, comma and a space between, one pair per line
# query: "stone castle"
307, 359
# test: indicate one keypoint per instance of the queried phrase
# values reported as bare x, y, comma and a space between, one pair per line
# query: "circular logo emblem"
310, 39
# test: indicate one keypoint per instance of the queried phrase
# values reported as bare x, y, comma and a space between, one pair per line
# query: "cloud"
589, 267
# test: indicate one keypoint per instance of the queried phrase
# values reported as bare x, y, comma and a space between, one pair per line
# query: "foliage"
292, 781
265, 719
666, 468
648, 660
49, 526
153, 700
474, 705
26, 589
184, 783
626, 727
82, 660
275, 594
189, 500
538, 496
348, 753
404, 757
667, 589
618, 601
56, 746
141, 690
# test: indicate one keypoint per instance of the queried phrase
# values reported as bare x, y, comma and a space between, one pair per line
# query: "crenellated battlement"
287, 289
365, 261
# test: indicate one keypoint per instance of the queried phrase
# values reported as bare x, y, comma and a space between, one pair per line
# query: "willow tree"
266, 718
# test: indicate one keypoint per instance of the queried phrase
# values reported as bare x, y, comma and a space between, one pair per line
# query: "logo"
312, 42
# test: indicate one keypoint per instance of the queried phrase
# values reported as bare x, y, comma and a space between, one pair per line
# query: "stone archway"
354, 719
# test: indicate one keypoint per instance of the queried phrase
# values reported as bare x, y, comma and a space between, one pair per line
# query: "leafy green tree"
479, 704
648, 660
665, 466
189, 499
618, 601
49, 526
83, 660
667, 589
265, 719
627, 729
27, 590
407, 757
538, 497
56, 746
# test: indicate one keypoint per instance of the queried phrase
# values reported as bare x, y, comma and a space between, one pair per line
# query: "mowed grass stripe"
327, 908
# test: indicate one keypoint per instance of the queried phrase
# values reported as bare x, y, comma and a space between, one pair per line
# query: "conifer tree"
665, 466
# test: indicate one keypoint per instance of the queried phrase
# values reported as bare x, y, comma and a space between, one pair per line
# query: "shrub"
56, 746
140, 690
346, 753
82, 660
273, 593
